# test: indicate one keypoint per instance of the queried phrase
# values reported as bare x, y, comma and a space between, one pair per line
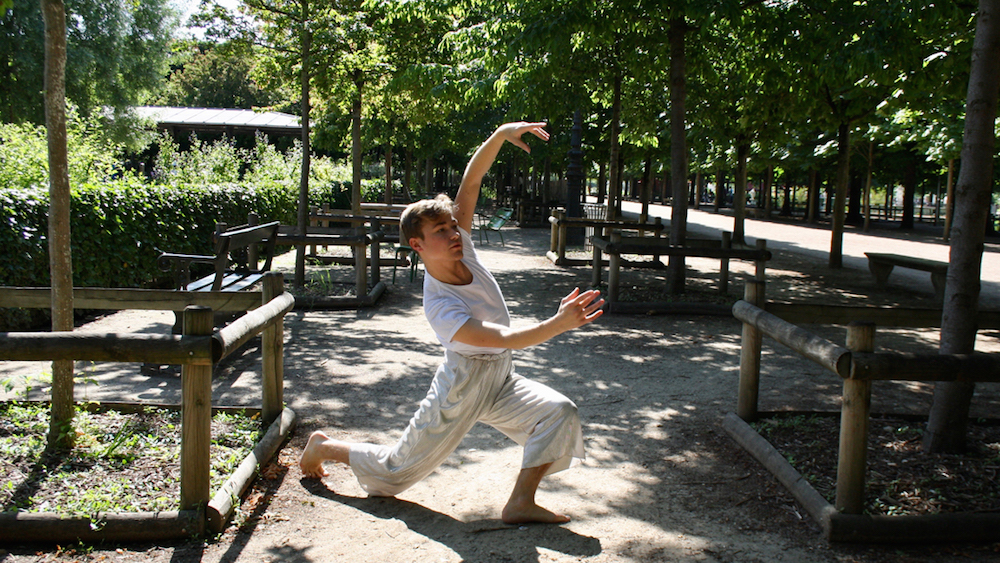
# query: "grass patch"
120, 463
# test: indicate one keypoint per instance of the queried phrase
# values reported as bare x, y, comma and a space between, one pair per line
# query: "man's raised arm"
482, 160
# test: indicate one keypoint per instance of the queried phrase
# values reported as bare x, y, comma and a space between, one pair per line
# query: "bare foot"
312, 458
518, 514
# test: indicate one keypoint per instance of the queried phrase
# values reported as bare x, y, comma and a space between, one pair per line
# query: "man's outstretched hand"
512, 132
578, 309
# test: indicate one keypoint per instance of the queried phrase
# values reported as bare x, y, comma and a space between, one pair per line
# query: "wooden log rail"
616, 245
560, 223
197, 350
359, 241
388, 215
858, 365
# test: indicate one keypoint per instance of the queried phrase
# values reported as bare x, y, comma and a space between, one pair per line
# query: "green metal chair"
495, 223
412, 257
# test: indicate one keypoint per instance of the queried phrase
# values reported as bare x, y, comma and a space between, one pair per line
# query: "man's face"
441, 240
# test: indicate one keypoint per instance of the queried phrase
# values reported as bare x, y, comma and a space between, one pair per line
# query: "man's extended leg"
322, 448
521, 506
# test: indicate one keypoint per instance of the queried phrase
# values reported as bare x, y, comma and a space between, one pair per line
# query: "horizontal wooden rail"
119, 299
309, 239
348, 217
806, 313
152, 348
899, 366
665, 249
234, 335
23, 527
624, 225
825, 353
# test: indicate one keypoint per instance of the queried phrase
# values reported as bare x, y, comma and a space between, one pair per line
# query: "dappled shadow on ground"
467, 538
650, 389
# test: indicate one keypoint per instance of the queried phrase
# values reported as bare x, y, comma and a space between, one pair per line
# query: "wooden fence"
197, 350
858, 365
655, 245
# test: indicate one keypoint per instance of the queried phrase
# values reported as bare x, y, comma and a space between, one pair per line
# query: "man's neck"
452, 273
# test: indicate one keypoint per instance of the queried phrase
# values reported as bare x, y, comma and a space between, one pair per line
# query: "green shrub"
118, 229
120, 223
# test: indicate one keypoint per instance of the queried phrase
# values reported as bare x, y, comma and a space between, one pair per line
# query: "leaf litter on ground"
901, 478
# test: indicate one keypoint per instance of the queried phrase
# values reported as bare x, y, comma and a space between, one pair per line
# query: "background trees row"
777, 88
667, 89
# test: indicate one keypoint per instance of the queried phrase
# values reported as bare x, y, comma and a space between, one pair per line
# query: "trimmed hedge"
118, 229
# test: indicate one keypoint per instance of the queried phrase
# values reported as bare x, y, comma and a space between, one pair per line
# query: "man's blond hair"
411, 221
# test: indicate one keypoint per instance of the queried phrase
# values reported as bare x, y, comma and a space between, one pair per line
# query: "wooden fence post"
853, 455
746, 402
657, 233
196, 415
614, 268
727, 244
360, 259
272, 354
376, 251
554, 234
314, 222
761, 264
595, 280
561, 215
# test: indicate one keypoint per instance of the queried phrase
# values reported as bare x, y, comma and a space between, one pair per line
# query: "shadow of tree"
463, 537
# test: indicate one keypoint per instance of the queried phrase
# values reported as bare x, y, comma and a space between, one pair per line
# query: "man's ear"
416, 244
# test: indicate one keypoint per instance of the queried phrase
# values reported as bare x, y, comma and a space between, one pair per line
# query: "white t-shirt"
448, 306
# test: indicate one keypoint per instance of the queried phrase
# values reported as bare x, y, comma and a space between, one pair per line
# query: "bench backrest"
236, 239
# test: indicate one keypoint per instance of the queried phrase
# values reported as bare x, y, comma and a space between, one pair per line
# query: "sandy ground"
662, 481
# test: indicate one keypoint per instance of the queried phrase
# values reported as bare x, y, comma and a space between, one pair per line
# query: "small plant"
121, 462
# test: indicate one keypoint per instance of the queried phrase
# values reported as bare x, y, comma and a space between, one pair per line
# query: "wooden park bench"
881, 266
235, 264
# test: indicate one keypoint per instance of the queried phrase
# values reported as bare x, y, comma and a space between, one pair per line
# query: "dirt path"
662, 481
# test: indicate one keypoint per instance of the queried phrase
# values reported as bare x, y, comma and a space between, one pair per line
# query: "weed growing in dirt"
121, 462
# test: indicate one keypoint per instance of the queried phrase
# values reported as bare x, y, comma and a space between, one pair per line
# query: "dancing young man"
476, 381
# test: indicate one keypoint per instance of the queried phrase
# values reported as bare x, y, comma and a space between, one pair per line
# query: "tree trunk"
408, 174
812, 198
615, 189
768, 195
946, 427
356, 144
868, 187
303, 209
787, 204
740, 189
676, 269
840, 196
647, 188
855, 189
720, 188
388, 173
602, 182
949, 209
699, 189
909, 191
60, 255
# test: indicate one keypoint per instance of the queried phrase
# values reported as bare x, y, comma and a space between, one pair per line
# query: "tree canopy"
116, 56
